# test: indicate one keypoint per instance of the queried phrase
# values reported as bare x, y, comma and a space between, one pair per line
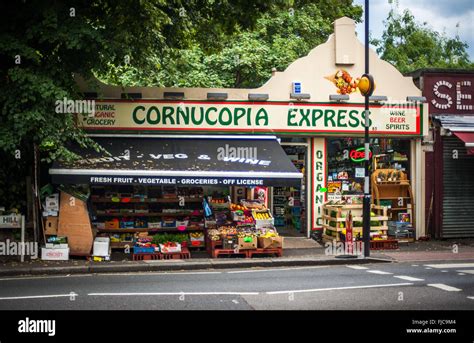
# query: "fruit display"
237, 207
261, 215
253, 204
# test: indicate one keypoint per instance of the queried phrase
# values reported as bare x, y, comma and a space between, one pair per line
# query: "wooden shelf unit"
393, 191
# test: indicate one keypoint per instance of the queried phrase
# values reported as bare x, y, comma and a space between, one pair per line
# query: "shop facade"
300, 109
448, 150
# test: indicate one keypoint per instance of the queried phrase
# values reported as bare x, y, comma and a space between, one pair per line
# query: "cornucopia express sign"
252, 117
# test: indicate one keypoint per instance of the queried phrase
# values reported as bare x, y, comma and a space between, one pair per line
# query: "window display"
346, 156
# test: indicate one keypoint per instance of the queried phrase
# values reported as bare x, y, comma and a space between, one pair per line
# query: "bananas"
261, 215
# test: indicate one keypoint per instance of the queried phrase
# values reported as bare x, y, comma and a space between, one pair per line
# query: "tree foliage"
279, 37
410, 45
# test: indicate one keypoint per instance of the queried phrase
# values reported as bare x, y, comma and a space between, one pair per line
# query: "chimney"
345, 41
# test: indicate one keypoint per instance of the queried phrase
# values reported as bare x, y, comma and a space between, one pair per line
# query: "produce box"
247, 243
101, 246
270, 242
182, 223
154, 225
166, 248
143, 250
111, 224
51, 226
52, 203
55, 254
196, 236
168, 223
238, 217
56, 245
230, 242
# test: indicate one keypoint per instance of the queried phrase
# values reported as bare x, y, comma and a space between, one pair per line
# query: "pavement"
298, 252
443, 285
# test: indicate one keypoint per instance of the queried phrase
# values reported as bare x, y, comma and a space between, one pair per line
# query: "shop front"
448, 151
285, 157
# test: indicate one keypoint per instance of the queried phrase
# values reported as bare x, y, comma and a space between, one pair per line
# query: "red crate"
275, 251
389, 244
146, 256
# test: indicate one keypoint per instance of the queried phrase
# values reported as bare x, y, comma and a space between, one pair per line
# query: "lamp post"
369, 90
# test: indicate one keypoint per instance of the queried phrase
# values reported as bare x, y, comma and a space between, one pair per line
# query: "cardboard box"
101, 246
52, 203
50, 213
270, 242
230, 242
55, 254
51, 226
247, 243
112, 224
56, 245
165, 250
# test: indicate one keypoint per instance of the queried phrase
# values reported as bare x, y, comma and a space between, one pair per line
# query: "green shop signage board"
251, 117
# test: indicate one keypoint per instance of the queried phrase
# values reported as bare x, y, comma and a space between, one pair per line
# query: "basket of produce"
262, 218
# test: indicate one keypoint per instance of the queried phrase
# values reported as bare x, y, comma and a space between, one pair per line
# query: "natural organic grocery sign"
278, 117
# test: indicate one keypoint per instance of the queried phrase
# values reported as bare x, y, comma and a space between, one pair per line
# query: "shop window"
345, 177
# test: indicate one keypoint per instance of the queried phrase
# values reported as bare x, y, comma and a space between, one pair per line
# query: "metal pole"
22, 239
366, 206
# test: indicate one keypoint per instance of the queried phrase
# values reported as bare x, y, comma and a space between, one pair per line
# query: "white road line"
428, 268
408, 278
356, 267
472, 298
461, 274
450, 265
173, 293
444, 287
414, 265
272, 270
466, 271
41, 296
157, 273
340, 288
43, 277
380, 272
444, 271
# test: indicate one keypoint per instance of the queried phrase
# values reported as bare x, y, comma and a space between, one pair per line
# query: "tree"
409, 45
279, 37
43, 44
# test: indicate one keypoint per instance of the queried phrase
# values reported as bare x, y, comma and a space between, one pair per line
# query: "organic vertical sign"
318, 146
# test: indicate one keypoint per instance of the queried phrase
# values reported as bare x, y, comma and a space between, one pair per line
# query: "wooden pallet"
184, 254
146, 256
228, 252
388, 244
270, 251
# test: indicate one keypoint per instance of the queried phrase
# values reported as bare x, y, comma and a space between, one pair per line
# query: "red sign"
358, 155
449, 93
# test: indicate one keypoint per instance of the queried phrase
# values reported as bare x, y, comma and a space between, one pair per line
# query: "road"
395, 286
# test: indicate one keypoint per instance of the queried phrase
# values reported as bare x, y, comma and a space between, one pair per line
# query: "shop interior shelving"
156, 205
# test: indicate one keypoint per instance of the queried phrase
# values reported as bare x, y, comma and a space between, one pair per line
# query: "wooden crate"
332, 232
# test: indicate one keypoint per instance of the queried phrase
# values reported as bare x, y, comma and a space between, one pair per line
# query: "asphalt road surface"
395, 286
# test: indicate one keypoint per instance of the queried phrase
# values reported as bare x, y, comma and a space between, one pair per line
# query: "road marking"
450, 265
235, 301
465, 271
472, 298
72, 294
444, 271
157, 273
272, 270
408, 278
444, 287
380, 272
414, 265
461, 274
357, 267
43, 277
428, 268
340, 288
173, 293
